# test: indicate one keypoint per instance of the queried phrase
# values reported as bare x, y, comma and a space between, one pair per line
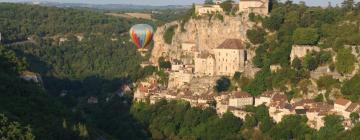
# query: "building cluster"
260, 7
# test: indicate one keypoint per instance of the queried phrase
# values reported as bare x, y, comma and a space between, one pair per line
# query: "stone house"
300, 51
207, 9
240, 99
264, 98
260, 7
205, 64
279, 109
341, 104
230, 57
179, 78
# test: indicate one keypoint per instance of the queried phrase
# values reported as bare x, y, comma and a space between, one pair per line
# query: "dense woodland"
98, 66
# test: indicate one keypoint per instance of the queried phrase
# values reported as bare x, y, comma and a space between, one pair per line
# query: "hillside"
87, 56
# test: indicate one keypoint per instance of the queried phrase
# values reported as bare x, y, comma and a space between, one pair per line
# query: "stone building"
207, 9
341, 104
178, 79
240, 99
204, 64
300, 51
230, 57
264, 98
260, 7
188, 47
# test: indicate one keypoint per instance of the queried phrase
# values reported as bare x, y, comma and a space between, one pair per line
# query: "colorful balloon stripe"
141, 35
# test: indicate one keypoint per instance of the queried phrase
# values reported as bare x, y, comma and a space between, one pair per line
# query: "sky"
169, 2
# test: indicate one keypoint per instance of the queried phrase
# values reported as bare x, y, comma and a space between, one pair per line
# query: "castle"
228, 58
260, 7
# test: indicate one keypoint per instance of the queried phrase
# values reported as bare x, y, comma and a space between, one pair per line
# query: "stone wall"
206, 35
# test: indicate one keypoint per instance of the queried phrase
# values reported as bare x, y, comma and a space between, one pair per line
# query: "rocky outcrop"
206, 34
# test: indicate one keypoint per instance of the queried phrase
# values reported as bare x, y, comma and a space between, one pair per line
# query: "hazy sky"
169, 2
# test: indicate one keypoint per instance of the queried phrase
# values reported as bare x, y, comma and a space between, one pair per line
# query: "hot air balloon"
141, 35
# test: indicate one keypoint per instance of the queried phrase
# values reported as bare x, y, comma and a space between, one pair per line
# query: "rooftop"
231, 44
352, 107
342, 101
241, 94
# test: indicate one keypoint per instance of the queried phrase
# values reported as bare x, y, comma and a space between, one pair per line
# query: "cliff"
206, 34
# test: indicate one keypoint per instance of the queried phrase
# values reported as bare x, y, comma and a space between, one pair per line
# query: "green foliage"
237, 76
164, 64
51, 21
261, 82
227, 6
310, 62
319, 98
256, 36
297, 63
328, 82
274, 21
306, 36
351, 87
14, 130
354, 116
222, 84
333, 126
186, 122
169, 33
250, 121
209, 2
345, 61
292, 127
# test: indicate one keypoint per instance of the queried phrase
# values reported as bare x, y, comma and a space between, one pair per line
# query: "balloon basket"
142, 51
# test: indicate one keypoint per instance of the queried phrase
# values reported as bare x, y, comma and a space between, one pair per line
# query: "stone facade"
230, 57
178, 79
204, 64
300, 51
188, 47
207, 9
260, 7
240, 99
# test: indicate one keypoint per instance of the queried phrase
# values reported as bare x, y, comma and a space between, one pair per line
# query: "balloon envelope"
141, 35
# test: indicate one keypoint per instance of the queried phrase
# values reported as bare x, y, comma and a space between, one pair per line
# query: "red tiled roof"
279, 97
231, 44
352, 107
342, 101
267, 94
242, 94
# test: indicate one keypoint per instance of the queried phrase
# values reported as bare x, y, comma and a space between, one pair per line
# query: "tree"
306, 36
291, 127
348, 4
169, 33
310, 62
327, 82
351, 87
164, 64
250, 121
297, 63
256, 36
275, 20
208, 2
332, 127
237, 76
354, 116
345, 61
13, 130
227, 6
223, 84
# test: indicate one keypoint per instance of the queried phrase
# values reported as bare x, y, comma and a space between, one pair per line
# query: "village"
194, 71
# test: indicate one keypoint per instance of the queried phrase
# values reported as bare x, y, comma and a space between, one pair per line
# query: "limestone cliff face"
206, 34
